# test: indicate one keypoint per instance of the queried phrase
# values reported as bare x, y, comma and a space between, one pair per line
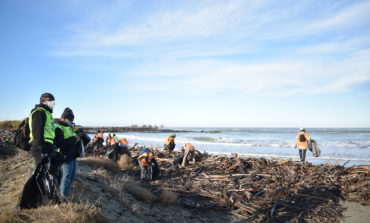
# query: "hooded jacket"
302, 145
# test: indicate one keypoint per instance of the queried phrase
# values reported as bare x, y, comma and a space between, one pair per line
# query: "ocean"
338, 145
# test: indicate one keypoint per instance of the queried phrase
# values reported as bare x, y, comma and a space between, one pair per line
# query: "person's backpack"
302, 138
22, 136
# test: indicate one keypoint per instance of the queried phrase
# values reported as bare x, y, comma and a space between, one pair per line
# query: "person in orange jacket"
189, 153
301, 142
169, 143
117, 148
98, 139
108, 139
123, 147
149, 166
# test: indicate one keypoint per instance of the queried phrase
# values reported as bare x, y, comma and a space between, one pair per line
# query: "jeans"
69, 174
146, 172
302, 154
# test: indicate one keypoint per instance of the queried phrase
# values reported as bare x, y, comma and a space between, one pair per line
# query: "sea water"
338, 145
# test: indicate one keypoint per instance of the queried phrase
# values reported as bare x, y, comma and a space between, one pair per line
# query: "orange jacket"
188, 147
169, 139
145, 158
109, 139
302, 145
123, 141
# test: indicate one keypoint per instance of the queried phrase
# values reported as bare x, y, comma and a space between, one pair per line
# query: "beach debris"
264, 189
258, 189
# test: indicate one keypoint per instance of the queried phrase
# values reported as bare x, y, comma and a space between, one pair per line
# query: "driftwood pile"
260, 189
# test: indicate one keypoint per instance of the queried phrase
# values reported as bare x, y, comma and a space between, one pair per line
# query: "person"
69, 144
114, 139
98, 139
42, 128
108, 139
301, 142
169, 143
189, 153
149, 166
118, 149
43, 182
123, 147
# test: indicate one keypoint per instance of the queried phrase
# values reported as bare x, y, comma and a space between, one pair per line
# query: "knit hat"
46, 97
68, 114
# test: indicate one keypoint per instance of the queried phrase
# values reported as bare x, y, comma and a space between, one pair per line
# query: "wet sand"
356, 212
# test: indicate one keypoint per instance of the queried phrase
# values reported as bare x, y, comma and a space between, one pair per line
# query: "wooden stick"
245, 208
238, 190
311, 196
236, 175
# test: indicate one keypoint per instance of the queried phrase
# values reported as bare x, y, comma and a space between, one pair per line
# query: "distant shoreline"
91, 130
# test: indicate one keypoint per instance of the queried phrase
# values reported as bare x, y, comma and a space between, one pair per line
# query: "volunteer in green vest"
42, 129
69, 144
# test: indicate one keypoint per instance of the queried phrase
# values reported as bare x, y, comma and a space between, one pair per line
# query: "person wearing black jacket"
42, 129
69, 143
42, 134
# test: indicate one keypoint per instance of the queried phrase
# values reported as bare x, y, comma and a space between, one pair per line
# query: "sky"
189, 63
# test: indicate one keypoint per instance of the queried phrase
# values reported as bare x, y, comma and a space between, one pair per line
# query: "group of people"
148, 164
55, 145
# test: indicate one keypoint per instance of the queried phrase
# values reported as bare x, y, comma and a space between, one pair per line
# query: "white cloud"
284, 51
196, 20
282, 77
353, 15
336, 46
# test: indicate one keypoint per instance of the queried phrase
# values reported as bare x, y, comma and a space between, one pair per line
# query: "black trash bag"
98, 143
155, 168
178, 160
314, 148
84, 136
41, 186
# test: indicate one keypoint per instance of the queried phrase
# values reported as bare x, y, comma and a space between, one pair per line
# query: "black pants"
302, 154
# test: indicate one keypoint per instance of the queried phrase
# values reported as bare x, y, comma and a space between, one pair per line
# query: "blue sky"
189, 63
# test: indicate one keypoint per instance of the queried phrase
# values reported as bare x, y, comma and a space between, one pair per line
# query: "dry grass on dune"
125, 162
9, 124
98, 162
56, 213
14, 172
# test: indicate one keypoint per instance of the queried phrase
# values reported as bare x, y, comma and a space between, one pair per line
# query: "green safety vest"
67, 130
49, 128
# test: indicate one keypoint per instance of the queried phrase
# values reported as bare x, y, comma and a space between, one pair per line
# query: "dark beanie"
68, 114
46, 97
